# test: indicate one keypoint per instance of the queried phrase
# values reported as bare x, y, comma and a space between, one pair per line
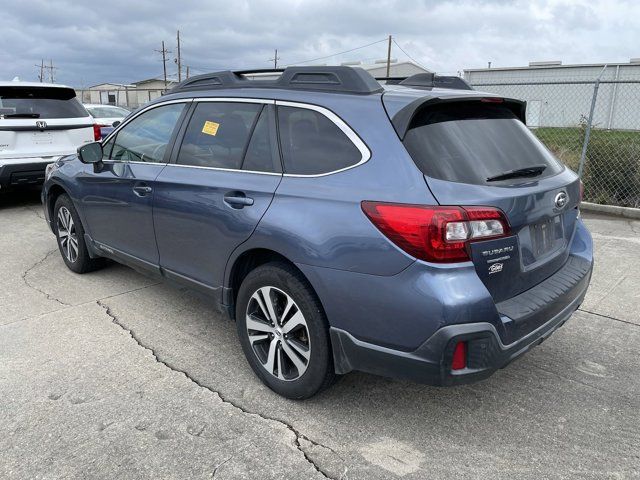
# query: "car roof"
33, 84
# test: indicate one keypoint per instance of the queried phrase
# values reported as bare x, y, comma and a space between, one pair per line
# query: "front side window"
312, 144
146, 137
218, 135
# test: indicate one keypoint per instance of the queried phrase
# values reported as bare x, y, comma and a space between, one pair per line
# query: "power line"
410, 57
339, 53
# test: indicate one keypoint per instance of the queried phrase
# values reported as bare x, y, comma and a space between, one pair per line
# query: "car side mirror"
116, 123
90, 153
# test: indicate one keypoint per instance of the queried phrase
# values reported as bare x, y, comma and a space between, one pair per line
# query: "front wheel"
284, 332
70, 236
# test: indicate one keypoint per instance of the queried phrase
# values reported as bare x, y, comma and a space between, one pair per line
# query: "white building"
560, 95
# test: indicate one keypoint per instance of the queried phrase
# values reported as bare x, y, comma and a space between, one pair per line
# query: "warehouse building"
560, 95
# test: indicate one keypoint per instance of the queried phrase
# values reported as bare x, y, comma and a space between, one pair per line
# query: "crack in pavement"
297, 435
35, 265
72, 305
609, 317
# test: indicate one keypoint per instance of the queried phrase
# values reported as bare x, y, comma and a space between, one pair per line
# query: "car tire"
70, 236
293, 356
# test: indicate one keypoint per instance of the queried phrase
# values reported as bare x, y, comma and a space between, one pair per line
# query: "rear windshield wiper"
21, 115
532, 171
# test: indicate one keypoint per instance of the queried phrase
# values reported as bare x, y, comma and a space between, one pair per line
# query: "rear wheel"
70, 236
284, 332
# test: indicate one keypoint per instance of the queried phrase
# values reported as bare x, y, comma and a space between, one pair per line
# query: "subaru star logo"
561, 200
41, 124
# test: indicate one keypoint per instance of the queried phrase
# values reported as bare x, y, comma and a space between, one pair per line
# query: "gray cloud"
94, 42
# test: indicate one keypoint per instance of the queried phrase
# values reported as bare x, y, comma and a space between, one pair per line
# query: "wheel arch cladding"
249, 260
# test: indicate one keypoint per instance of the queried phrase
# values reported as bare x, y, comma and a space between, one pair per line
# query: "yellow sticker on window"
210, 128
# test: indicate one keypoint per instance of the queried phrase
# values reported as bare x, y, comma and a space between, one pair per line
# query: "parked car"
412, 233
107, 117
39, 122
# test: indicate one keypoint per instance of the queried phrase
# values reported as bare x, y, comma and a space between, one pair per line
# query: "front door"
117, 200
213, 194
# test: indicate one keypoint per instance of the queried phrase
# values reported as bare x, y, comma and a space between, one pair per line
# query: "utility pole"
179, 59
275, 59
51, 68
164, 52
187, 71
41, 67
389, 58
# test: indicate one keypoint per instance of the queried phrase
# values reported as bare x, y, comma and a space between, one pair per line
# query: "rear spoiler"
403, 118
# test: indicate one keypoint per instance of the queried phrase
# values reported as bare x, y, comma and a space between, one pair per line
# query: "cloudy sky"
92, 42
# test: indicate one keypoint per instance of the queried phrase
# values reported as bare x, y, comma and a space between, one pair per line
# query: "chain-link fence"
592, 125
125, 96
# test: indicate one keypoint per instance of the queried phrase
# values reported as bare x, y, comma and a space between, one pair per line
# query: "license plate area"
546, 236
42, 138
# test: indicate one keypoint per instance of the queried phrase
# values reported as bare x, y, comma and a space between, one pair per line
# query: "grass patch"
612, 167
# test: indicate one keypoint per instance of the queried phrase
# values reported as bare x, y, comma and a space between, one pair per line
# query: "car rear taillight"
97, 134
459, 361
435, 233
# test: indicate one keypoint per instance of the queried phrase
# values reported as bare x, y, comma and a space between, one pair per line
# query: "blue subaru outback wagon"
408, 231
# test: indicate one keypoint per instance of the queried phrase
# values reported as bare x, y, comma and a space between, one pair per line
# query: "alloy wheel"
278, 333
67, 235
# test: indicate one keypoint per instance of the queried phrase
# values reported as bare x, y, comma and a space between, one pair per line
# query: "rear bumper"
24, 171
430, 363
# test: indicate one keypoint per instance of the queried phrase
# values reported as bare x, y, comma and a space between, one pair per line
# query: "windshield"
107, 112
469, 142
40, 102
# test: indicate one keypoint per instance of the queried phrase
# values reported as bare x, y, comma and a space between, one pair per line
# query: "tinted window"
145, 138
261, 155
40, 102
218, 134
468, 143
313, 144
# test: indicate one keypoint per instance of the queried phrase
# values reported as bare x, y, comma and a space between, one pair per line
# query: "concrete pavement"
113, 375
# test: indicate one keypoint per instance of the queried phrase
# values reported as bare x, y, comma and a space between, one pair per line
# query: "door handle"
238, 200
142, 190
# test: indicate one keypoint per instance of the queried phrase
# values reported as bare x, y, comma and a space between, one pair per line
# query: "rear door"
41, 122
221, 181
462, 148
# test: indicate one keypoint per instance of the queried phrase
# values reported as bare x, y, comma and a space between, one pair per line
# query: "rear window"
470, 142
39, 102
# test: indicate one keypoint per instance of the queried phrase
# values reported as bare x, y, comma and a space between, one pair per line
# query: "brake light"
436, 233
459, 361
492, 100
581, 192
97, 134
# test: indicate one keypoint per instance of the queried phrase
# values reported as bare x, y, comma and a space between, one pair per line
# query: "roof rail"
337, 79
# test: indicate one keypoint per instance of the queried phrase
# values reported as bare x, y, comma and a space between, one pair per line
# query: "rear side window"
312, 144
40, 102
218, 134
469, 142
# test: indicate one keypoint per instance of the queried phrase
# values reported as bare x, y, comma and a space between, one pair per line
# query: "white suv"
39, 123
